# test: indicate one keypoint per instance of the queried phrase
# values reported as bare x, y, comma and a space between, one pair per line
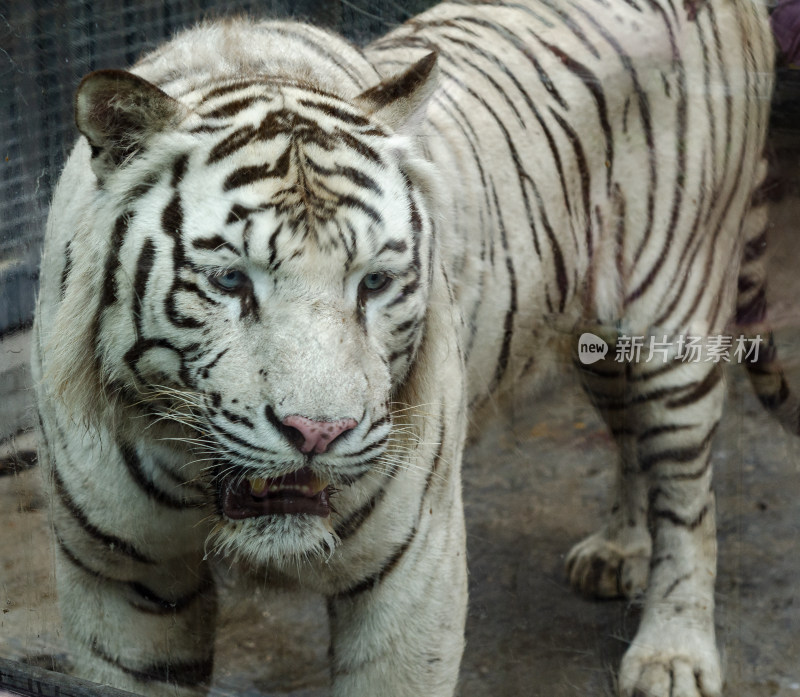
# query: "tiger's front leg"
663, 416
400, 631
614, 562
138, 602
152, 637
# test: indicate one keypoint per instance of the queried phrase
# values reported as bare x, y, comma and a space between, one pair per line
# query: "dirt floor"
534, 485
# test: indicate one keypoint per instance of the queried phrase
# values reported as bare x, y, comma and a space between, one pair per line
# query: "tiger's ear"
117, 111
399, 100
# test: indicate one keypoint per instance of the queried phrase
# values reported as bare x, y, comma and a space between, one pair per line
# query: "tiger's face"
269, 273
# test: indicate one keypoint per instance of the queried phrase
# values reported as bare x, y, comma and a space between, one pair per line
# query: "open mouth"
301, 491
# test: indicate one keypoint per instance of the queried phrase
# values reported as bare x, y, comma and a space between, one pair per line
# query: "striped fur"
260, 224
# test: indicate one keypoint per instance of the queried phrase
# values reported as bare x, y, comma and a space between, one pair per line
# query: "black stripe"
234, 107
172, 225
273, 248
214, 243
73, 559
508, 324
707, 91
674, 585
662, 429
701, 389
244, 176
592, 83
235, 86
687, 260
350, 141
190, 287
237, 418
108, 294
134, 466
158, 605
111, 542
388, 566
233, 438
624, 401
488, 76
66, 269
179, 167
231, 143
397, 246
350, 118
405, 292
359, 178
208, 128
678, 185
504, 32
659, 560
350, 201
369, 450
583, 170
675, 519
679, 455
142, 346
646, 121
566, 17
181, 673
144, 265
355, 520
434, 464
721, 64
163, 606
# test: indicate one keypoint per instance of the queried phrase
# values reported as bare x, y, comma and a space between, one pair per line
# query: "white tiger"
277, 282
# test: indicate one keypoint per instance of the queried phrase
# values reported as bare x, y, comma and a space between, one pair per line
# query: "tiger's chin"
281, 542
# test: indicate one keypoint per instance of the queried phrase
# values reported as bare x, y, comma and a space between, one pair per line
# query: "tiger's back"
598, 160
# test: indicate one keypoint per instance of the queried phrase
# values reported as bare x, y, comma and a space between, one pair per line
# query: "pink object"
318, 435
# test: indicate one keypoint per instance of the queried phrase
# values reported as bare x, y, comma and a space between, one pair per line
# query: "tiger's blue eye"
231, 280
374, 282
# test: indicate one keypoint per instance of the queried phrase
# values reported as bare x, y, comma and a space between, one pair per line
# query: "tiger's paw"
600, 567
687, 666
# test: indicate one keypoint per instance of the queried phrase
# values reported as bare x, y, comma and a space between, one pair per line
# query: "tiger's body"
275, 286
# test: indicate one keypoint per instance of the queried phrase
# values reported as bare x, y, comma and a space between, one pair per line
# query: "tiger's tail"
763, 368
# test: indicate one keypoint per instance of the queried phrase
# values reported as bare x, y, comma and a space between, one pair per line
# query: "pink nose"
318, 435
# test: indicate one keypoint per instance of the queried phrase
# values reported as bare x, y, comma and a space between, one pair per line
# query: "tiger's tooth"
258, 485
316, 484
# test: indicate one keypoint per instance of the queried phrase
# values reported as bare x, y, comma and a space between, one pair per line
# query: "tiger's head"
255, 261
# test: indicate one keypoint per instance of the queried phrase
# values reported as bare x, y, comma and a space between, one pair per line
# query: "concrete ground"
534, 485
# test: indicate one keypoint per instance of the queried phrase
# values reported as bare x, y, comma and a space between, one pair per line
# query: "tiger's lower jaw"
281, 542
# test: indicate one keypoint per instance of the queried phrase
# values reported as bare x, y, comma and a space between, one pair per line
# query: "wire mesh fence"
45, 49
